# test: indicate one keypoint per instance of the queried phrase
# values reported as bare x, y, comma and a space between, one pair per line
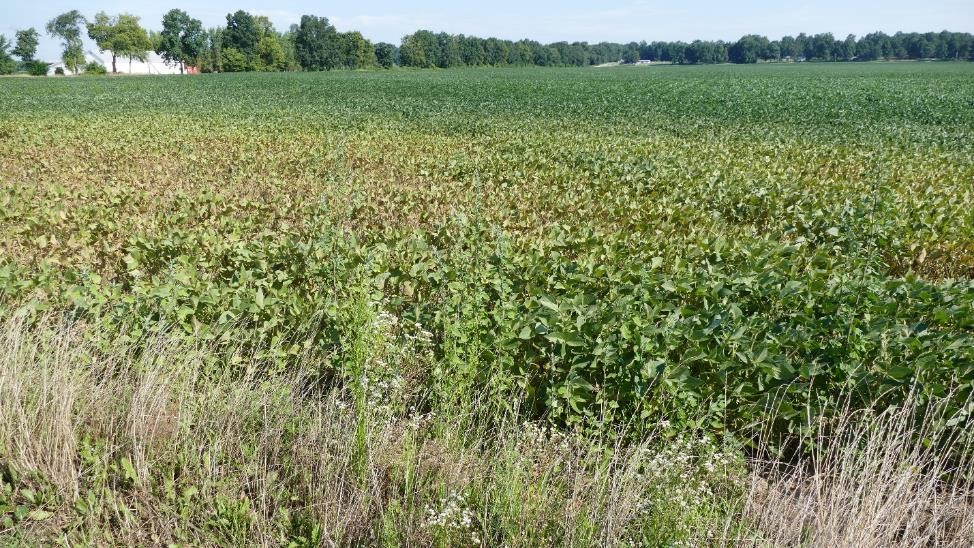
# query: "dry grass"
124, 444
870, 483
159, 447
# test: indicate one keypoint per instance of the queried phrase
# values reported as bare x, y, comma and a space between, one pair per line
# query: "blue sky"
547, 21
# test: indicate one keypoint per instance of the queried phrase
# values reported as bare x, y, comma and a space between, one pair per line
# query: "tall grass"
872, 479
154, 442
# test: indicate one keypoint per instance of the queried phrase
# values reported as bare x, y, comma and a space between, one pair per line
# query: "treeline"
820, 47
426, 49
251, 43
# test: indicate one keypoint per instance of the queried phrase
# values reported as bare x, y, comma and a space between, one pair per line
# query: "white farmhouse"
153, 64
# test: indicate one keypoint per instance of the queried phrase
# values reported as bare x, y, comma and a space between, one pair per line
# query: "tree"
449, 51
211, 58
253, 38
355, 51
422, 49
316, 44
676, 53
870, 46
102, 31
822, 46
121, 35
849, 48
232, 60
631, 55
74, 57
270, 55
155, 39
287, 42
26, 49
182, 39
242, 33
27, 41
386, 54
706, 52
748, 49
67, 27
788, 47
7, 63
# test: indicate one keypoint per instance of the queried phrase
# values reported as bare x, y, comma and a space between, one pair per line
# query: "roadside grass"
157, 443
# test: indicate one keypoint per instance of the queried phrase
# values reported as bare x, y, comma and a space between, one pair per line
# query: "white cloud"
282, 19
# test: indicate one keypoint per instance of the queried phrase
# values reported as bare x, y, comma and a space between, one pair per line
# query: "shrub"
7, 65
39, 68
234, 61
59, 71
95, 69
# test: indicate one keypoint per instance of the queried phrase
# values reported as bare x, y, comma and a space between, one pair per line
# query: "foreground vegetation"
486, 305
153, 443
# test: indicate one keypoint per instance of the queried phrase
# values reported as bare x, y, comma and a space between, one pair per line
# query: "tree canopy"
182, 39
27, 42
67, 27
123, 36
316, 44
7, 63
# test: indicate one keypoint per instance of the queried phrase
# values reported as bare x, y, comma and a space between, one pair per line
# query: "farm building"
154, 64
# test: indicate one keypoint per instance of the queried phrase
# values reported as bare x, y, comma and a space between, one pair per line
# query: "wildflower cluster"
452, 518
539, 440
689, 474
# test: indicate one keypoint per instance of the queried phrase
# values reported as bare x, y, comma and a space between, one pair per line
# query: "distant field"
718, 249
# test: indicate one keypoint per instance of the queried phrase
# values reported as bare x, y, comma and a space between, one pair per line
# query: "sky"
545, 21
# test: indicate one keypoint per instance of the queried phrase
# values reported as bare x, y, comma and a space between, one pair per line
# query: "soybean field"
742, 252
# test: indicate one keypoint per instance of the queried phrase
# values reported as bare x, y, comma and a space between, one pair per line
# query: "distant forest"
251, 43
426, 49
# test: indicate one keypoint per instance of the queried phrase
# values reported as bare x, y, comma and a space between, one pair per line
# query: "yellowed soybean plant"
719, 305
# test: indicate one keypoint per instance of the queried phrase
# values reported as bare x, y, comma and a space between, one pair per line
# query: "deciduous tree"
67, 27
123, 36
386, 55
242, 33
182, 39
7, 63
316, 44
27, 41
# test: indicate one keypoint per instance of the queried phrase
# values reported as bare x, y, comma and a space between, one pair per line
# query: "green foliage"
242, 32
27, 41
631, 55
355, 51
95, 69
25, 499
270, 56
387, 55
712, 253
234, 61
316, 44
248, 44
182, 38
67, 27
38, 68
73, 57
7, 64
121, 35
